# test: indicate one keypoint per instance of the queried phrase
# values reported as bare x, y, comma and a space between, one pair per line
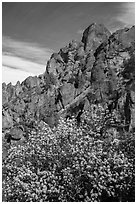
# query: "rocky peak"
94, 35
3, 86
97, 70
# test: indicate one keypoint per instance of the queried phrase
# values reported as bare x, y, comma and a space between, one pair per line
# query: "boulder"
17, 132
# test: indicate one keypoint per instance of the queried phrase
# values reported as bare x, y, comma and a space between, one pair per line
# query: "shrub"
70, 163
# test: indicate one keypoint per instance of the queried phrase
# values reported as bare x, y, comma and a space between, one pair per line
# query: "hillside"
82, 106
101, 61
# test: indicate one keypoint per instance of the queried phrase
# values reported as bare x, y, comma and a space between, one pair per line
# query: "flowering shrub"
70, 163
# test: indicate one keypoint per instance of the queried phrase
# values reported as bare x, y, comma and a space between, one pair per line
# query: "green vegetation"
71, 163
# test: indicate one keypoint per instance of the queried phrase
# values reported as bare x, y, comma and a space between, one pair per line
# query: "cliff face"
99, 69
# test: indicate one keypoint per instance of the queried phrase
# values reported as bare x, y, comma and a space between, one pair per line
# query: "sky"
32, 31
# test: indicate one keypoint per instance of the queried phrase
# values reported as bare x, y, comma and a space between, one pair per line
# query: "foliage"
71, 163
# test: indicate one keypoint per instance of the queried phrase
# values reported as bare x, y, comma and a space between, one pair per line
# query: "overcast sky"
31, 32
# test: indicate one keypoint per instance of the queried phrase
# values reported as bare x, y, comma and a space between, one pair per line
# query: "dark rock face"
111, 61
113, 73
100, 69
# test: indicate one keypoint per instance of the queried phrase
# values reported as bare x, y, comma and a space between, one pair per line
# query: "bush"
70, 163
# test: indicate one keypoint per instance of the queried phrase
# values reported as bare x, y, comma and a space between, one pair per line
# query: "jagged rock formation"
99, 69
113, 73
94, 35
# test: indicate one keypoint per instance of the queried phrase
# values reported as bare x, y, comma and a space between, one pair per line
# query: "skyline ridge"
43, 28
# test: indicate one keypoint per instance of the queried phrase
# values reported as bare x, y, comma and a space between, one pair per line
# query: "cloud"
11, 75
22, 64
125, 17
22, 59
116, 25
30, 51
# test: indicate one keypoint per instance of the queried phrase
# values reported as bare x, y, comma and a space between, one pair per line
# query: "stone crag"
99, 69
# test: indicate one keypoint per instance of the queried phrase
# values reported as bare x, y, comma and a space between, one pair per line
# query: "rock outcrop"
113, 73
94, 35
99, 69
